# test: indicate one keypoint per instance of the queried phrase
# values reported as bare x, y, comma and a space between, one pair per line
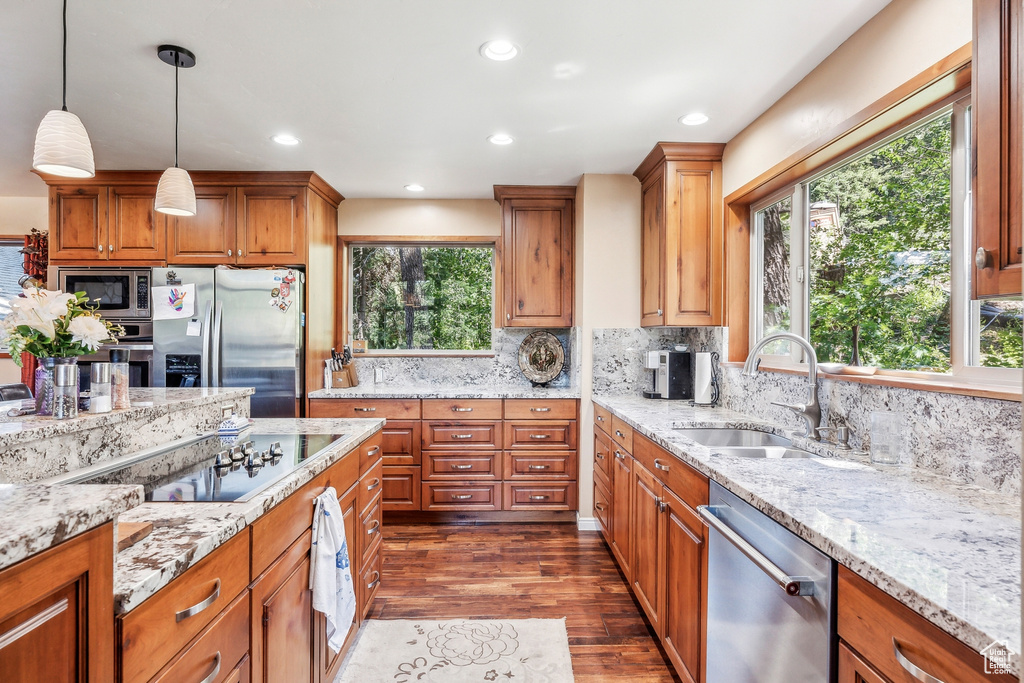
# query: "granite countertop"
443, 391
38, 517
949, 551
147, 403
184, 533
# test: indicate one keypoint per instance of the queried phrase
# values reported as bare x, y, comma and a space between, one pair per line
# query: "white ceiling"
384, 93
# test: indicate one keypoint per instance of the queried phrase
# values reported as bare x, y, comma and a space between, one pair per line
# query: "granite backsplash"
968, 439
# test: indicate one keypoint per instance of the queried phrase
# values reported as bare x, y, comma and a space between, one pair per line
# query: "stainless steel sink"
768, 452
715, 437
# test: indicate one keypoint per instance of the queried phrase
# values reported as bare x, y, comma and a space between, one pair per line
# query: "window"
868, 260
422, 298
11, 270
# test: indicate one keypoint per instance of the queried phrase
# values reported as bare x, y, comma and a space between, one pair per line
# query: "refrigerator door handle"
204, 359
215, 370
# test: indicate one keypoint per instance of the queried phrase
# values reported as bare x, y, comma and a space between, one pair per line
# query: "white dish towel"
330, 575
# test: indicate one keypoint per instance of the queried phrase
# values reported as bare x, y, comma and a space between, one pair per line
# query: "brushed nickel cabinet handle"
110, 248
662, 505
508, 316
374, 451
199, 606
461, 496
373, 529
462, 467
375, 484
540, 436
658, 465
982, 258
599, 456
101, 248
619, 455
239, 252
600, 418
230, 253
29, 625
462, 436
456, 409
365, 410
212, 676
619, 434
537, 467
539, 497
375, 581
599, 506
540, 410
659, 312
911, 668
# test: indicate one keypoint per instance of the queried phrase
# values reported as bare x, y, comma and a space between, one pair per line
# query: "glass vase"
44, 386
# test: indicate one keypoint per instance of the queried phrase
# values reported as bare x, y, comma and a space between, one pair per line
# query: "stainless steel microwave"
120, 293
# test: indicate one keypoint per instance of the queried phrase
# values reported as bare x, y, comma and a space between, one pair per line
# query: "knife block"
345, 378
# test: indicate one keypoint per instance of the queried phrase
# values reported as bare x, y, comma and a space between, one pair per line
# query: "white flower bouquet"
54, 324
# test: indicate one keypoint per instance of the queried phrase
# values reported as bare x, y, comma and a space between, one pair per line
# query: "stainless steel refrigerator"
242, 329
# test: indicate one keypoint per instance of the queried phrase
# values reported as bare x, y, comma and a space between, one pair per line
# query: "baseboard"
587, 524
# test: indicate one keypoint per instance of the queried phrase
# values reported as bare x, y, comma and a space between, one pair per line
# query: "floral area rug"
460, 651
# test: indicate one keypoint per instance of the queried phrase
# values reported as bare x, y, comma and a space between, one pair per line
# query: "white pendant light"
62, 145
175, 194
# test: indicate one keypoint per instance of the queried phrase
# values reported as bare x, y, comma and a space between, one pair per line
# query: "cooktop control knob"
236, 453
223, 460
254, 461
275, 449
248, 447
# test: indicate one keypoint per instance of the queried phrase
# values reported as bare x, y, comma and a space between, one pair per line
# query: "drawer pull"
373, 529
212, 676
32, 624
456, 409
375, 484
365, 410
374, 451
619, 434
462, 436
539, 497
599, 506
462, 467
913, 669
619, 455
461, 496
540, 436
376, 580
658, 465
540, 410
600, 418
599, 456
538, 467
199, 606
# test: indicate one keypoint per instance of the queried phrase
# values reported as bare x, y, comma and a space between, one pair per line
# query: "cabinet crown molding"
502, 192
678, 151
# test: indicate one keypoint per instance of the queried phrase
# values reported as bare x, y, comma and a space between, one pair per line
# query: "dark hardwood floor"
518, 571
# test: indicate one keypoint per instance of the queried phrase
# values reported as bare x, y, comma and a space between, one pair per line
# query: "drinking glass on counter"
886, 438
119, 378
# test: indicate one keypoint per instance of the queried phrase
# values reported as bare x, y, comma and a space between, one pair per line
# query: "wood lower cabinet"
327, 662
684, 572
282, 619
647, 531
603, 509
217, 653
622, 488
853, 669
57, 613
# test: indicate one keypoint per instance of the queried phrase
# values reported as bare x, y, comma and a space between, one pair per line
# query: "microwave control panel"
142, 293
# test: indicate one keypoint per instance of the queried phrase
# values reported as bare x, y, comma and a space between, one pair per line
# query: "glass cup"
886, 438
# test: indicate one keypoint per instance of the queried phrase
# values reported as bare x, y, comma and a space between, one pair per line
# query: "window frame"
963, 340
346, 309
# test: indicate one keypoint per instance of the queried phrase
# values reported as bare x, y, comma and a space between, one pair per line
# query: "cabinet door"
208, 238
693, 243
682, 570
652, 252
401, 488
135, 230
853, 669
400, 442
537, 262
282, 619
78, 223
603, 509
621, 486
271, 226
646, 523
327, 661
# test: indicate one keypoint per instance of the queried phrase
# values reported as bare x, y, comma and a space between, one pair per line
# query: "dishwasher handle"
793, 585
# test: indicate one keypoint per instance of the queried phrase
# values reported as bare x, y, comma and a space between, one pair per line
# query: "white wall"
607, 288
898, 43
413, 217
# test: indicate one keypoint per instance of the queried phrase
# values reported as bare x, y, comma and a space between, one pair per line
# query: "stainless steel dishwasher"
771, 607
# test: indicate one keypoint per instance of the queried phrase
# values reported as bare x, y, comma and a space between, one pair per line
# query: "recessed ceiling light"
501, 139
414, 188
285, 139
694, 119
499, 50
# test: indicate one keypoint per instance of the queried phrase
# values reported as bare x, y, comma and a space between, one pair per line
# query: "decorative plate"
541, 357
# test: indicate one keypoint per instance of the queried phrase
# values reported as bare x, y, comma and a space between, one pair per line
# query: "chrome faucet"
809, 412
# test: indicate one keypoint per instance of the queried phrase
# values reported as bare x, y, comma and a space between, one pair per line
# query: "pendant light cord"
175, 109
64, 76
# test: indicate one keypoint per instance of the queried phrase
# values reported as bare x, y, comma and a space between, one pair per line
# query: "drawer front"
461, 496
370, 529
370, 485
870, 621
603, 508
156, 630
530, 465
389, 409
221, 646
400, 442
622, 433
603, 419
401, 488
462, 466
540, 409
540, 434
462, 409
539, 496
603, 455
449, 435
370, 453
685, 482
369, 584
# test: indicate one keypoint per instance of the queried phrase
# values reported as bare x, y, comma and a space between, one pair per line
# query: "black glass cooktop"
216, 469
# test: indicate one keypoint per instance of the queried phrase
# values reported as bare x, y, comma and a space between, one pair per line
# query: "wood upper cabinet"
271, 225
78, 223
208, 238
57, 613
135, 230
537, 247
118, 223
997, 138
682, 239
